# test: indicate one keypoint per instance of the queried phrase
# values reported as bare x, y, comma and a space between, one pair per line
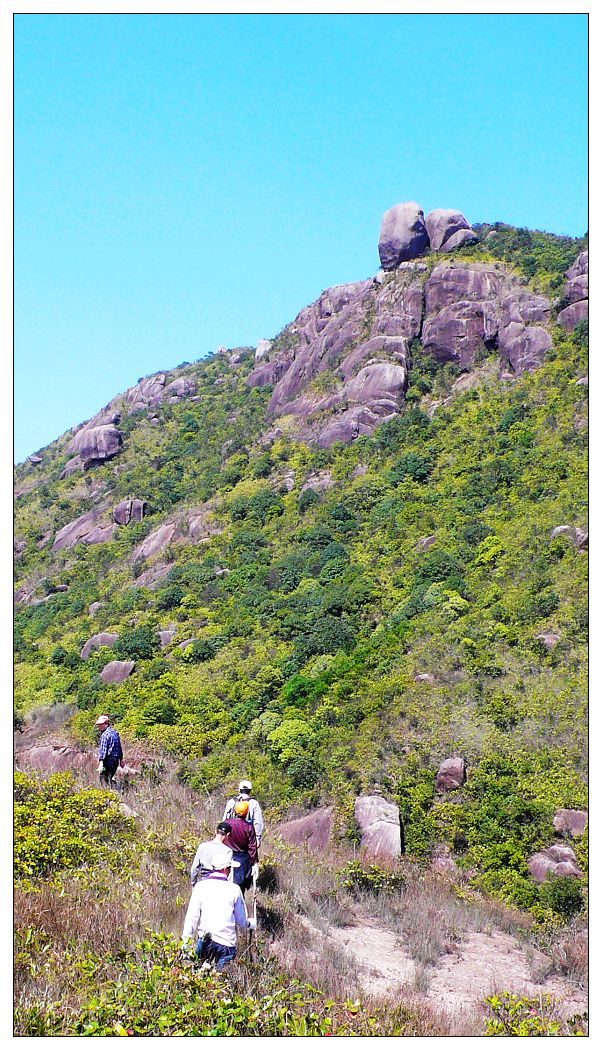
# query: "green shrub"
308, 498
59, 828
563, 895
160, 992
516, 1015
355, 877
138, 643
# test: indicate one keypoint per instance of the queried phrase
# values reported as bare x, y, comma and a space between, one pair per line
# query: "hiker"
110, 752
242, 840
254, 814
216, 908
201, 864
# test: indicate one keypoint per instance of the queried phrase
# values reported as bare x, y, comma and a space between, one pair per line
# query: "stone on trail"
379, 824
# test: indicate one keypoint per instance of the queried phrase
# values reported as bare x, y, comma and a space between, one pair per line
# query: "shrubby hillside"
329, 616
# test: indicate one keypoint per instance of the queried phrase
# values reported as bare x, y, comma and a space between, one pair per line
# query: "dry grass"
300, 901
570, 955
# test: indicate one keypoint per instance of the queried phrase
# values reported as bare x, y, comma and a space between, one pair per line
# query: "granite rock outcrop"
576, 293
403, 235
342, 367
379, 825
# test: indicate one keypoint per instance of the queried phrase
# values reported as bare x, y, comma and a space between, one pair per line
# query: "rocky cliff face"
342, 366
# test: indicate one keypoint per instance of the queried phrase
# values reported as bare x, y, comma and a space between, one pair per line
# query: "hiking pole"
253, 933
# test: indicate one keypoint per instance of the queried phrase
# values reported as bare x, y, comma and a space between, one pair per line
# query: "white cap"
224, 858
245, 785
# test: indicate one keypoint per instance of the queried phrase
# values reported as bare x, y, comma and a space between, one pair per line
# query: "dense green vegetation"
312, 613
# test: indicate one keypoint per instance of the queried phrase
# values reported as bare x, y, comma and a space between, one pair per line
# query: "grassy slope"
312, 641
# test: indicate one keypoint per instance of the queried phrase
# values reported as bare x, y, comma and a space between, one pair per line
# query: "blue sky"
186, 181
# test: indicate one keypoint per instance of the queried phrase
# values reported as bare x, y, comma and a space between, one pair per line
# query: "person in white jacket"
202, 863
254, 814
216, 908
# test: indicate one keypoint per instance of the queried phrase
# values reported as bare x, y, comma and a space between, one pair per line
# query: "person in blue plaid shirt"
110, 752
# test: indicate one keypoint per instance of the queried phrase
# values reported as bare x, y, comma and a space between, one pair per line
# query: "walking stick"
253, 933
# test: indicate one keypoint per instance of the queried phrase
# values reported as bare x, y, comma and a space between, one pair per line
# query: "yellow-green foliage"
58, 828
312, 618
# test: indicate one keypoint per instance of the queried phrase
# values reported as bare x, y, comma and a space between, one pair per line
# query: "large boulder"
117, 671
553, 861
379, 824
96, 444
524, 346
403, 235
572, 315
375, 382
97, 641
166, 636
85, 529
313, 830
73, 466
576, 292
457, 282
451, 774
455, 334
156, 541
146, 392
579, 267
321, 481
202, 525
577, 288
182, 387
571, 821
129, 510
578, 536
262, 349
448, 229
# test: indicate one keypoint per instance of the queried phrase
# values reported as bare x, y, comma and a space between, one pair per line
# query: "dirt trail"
479, 965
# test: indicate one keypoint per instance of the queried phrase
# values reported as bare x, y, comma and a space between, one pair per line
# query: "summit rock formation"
342, 366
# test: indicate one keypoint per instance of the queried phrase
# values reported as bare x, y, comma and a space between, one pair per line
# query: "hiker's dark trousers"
242, 875
109, 768
208, 950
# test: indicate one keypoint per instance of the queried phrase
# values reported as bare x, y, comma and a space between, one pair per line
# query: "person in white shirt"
216, 908
202, 863
254, 814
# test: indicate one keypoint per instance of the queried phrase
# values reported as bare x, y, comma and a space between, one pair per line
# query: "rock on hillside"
403, 235
379, 824
448, 229
313, 830
576, 292
342, 366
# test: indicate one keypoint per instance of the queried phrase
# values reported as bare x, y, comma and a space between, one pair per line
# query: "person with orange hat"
110, 751
254, 814
242, 840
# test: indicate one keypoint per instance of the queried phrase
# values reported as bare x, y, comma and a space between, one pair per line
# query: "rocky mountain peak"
342, 366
